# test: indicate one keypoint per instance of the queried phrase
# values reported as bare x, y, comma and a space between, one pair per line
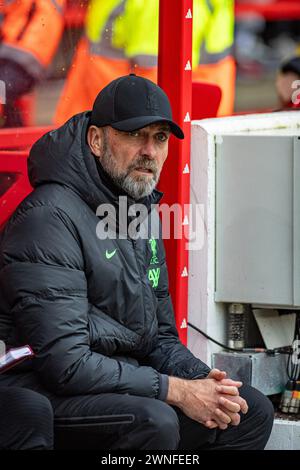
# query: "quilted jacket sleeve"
46, 290
170, 356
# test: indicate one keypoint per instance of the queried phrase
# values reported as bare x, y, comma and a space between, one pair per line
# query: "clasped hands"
230, 403
213, 401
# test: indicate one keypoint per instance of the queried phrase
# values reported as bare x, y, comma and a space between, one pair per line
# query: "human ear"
94, 140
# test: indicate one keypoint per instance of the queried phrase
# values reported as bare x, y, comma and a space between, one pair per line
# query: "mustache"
145, 164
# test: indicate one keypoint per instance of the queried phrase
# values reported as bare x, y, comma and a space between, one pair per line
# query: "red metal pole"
175, 77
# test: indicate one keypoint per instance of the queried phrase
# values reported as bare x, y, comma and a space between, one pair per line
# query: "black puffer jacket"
95, 322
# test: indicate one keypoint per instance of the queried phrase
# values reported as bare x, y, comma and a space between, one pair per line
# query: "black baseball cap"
132, 102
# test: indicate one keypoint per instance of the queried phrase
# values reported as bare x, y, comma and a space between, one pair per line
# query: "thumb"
217, 374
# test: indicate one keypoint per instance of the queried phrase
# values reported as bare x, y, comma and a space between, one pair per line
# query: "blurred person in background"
30, 33
121, 36
288, 84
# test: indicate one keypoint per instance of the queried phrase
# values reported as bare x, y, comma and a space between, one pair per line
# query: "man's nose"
149, 148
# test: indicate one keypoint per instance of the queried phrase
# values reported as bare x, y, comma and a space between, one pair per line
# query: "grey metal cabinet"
258, 219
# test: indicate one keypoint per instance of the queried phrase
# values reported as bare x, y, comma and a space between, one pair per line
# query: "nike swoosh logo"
110, 254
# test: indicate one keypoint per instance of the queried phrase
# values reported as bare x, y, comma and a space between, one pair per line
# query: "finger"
213, 372
235, 417
220, 423
229, 405
210, 424
217, 374
240, 401
222, 416
227, 389
234, 383
244, 406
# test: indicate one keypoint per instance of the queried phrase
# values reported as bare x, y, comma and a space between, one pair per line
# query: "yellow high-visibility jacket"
121, 36
129, 29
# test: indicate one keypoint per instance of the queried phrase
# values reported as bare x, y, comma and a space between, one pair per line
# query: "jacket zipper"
140, 273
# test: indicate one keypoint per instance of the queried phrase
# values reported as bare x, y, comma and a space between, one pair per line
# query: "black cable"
292, 369
282, 350
212, 339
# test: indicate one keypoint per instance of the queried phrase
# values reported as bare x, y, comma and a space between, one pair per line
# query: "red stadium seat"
205, 100
14, 149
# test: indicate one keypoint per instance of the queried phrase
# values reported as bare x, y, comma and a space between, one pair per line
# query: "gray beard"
136, 187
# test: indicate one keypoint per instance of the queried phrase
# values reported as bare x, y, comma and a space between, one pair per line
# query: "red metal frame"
13, 162
175, 77
277, 10
21, 138
14, 149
